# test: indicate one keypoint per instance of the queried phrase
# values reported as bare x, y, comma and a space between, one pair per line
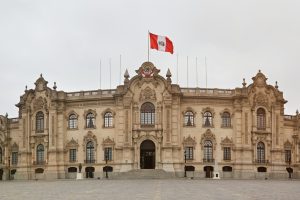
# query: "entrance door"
208, 171
89, 172
1, 174
147, 156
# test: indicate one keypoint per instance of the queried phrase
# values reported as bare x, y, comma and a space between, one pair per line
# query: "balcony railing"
89, 161
262, 161
208, 160
39, 162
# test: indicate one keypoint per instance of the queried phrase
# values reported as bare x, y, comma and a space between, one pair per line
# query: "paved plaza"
150, 189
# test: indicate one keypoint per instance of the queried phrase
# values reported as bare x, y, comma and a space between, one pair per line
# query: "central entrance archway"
147, 155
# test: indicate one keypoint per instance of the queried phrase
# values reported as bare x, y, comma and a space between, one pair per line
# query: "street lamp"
184, 163
8, 167
106, 158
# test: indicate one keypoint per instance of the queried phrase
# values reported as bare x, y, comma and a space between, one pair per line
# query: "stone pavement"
153, 189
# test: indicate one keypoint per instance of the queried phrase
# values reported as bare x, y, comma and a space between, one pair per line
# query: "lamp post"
184, 163
106, 158
8, 167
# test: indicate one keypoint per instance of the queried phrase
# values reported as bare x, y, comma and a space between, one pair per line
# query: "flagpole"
187, 71
109, 73
177, 67
120, 69
148, 43
100, 74
205, 73
197, 71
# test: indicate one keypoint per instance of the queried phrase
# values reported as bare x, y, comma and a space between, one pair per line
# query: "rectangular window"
108, 153
188, 152
227, 153
288, 156
72, 155
14, 158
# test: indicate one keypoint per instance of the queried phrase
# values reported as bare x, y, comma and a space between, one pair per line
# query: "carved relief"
72, 144
147, 94
288, 145
208, 135
108, 142
226, 142
40, 104
189, 141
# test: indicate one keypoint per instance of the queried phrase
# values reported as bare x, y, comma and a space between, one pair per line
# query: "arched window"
90, 120
208, 151
90, 152
72, 121
108, 119
40, 154
189, 118
207, 120
226, 121
147, 114
0, 155
261, 152
261, 119
39, 121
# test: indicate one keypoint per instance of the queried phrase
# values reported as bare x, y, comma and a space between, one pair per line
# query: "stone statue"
80, 167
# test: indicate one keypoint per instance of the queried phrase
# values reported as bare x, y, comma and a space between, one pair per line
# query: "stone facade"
150, 123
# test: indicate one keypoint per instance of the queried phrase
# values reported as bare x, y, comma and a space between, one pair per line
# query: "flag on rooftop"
161, 43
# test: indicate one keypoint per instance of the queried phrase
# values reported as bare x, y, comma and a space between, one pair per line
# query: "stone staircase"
144, 174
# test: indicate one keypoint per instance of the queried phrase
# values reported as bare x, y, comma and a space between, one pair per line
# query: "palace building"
151, 123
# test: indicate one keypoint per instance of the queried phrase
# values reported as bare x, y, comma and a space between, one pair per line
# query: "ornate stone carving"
288, 145
72, 144
261, 100
39, 104
226, 142
108, 142
189, 141
41, 84
147, 94
147, 70
208, 135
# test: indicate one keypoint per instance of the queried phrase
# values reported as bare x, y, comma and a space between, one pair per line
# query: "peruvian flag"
161, 43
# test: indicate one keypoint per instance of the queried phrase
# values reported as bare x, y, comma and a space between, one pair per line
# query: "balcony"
39, 162
209, 160
261, 161
89, 161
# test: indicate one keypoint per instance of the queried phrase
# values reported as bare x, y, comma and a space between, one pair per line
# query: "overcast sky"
65, 40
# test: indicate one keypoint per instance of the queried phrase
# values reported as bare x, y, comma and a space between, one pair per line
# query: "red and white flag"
161, 43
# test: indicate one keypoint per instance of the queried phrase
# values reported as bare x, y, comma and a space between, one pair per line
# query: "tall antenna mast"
197, 71
205, 73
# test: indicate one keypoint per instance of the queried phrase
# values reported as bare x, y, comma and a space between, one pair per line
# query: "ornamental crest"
147, 94
147, 70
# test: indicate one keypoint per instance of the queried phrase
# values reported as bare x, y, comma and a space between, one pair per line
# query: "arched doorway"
1, 174
208, 171
147, 155
89, 172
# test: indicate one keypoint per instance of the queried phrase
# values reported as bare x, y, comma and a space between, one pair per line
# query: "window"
208, 151
40, 154
207, 119
14, 158
261, 119
226, 121
108, 153
188, 152
261, 152
147, 114
189, 118
72, 121
90, 152
226, 153
90, 120
108, 119
72, 155
40, 122
288, 156
0, 155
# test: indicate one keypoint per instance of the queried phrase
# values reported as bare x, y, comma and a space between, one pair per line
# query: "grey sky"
65, 40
